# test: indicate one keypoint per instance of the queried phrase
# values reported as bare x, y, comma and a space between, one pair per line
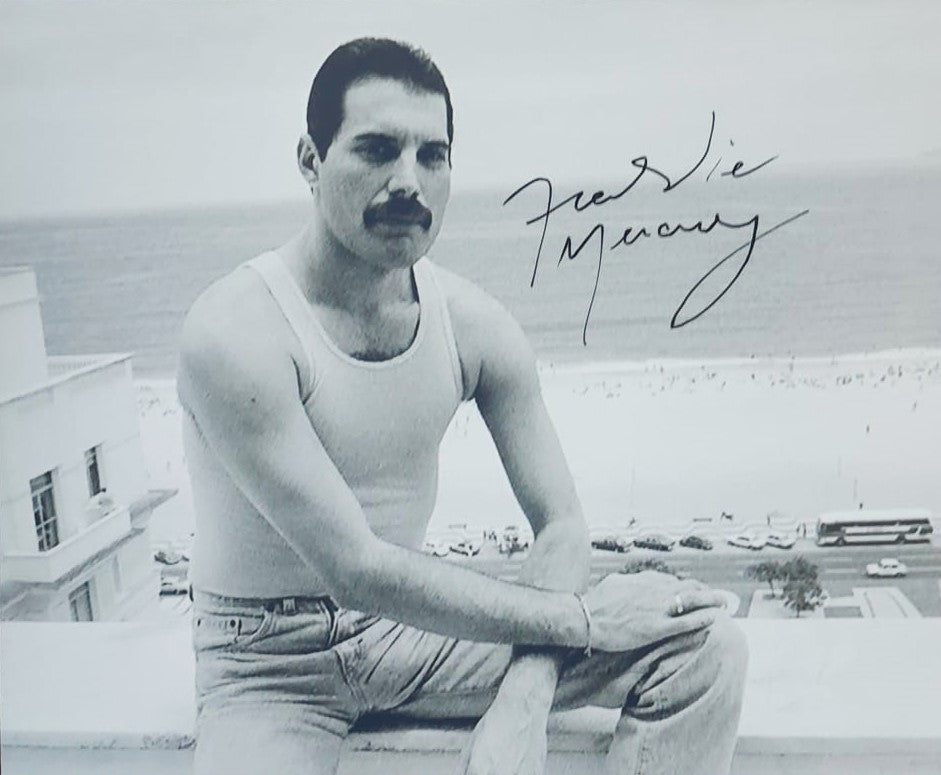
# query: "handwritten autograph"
580, 202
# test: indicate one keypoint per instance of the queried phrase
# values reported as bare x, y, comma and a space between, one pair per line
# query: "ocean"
858, 272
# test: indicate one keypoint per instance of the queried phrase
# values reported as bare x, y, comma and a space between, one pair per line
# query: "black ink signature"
580, 202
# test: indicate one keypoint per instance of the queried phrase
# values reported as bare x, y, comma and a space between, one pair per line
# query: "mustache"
399, 210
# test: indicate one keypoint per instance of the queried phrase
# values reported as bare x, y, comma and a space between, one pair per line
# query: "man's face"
385, 183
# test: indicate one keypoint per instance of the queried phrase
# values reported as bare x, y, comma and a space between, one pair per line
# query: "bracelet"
581, 602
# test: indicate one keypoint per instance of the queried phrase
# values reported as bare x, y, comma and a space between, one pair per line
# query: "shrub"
649, 563
766, 572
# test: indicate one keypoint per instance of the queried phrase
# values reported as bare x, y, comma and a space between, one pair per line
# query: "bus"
838, 528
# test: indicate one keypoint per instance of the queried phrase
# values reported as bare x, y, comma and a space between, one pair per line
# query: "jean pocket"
230, 630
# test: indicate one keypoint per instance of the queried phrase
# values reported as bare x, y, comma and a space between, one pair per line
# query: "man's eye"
379, 151
432, 155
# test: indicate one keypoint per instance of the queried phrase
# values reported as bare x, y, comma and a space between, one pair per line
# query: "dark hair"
365, 58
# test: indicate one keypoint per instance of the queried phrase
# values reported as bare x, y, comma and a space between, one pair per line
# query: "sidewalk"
865, 603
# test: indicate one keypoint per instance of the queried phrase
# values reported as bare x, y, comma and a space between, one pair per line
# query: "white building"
68, 431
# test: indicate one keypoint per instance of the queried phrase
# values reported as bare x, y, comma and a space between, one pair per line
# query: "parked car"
174, 586
611, 543
886, 567
467, 547
438, 547
780, 540
696, 542
660, 543
168, 556
748, 541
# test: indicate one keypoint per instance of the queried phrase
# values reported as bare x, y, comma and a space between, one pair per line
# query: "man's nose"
404, 180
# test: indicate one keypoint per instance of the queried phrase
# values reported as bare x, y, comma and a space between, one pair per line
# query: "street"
840, 568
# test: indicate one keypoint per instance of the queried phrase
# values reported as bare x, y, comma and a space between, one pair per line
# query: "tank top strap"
290, 300
436, 307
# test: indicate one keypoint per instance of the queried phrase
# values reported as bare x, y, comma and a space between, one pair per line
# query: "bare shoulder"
231, 339
489, 339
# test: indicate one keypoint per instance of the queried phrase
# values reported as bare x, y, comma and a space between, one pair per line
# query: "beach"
671, 443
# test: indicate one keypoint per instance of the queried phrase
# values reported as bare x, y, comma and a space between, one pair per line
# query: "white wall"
139, 582
135, 597
50, 430
51, 411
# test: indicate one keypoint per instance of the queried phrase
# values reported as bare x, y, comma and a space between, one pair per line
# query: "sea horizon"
857, 273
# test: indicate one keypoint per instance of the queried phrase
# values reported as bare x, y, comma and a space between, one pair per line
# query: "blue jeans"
279, 684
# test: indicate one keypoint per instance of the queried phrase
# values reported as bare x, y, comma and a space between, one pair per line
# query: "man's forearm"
560, 560
442, 597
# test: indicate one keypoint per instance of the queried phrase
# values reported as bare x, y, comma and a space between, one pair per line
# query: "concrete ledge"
865, 693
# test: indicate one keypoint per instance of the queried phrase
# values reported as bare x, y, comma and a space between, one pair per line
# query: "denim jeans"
280, 683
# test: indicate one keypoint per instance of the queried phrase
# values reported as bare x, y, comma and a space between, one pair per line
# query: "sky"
132, 105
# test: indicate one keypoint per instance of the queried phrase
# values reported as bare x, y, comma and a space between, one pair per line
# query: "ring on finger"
679, 605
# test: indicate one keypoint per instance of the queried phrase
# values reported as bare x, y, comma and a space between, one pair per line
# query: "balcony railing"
50, 566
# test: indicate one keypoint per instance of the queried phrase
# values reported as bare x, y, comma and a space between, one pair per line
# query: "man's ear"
308, 160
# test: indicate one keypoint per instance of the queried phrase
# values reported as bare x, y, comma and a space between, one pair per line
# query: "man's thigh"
404, 671
271, 694
401, 670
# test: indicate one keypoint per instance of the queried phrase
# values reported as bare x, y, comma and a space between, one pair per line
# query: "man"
318, 381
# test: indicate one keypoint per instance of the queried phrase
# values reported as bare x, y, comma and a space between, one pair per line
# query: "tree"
649, 563
767, 572
802, 590
799, 568
803, 593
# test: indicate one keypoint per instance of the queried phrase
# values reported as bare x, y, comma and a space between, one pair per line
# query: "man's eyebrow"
368, 136
382, 136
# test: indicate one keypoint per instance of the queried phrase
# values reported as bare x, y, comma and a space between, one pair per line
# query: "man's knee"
731, 649
691, 666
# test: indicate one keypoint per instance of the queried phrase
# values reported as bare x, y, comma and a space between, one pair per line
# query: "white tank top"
381, 423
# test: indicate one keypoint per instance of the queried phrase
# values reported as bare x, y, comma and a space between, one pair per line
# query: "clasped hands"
630, 611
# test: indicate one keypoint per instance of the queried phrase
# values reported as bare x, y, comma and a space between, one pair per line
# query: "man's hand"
630, 611
510, 739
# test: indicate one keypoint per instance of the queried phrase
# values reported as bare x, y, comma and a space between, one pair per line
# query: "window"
80, 603
91, 471
44, 511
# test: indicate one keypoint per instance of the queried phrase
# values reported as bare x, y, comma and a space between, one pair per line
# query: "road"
840, 568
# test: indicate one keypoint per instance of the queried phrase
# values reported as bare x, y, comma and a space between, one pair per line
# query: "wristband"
581, 602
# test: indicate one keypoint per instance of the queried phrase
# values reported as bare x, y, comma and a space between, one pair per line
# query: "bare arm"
241, 388
510, 400
511, 736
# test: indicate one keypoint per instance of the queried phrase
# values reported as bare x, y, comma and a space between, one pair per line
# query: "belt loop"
289, 606
333, 616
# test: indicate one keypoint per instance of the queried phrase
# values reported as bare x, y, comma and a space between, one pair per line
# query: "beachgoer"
318, 380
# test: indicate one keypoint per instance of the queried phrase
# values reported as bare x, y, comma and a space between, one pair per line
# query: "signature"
696, 302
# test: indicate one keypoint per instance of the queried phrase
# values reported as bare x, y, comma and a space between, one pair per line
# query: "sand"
669, 442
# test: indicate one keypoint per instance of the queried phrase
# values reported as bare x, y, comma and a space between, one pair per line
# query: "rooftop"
63, 368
